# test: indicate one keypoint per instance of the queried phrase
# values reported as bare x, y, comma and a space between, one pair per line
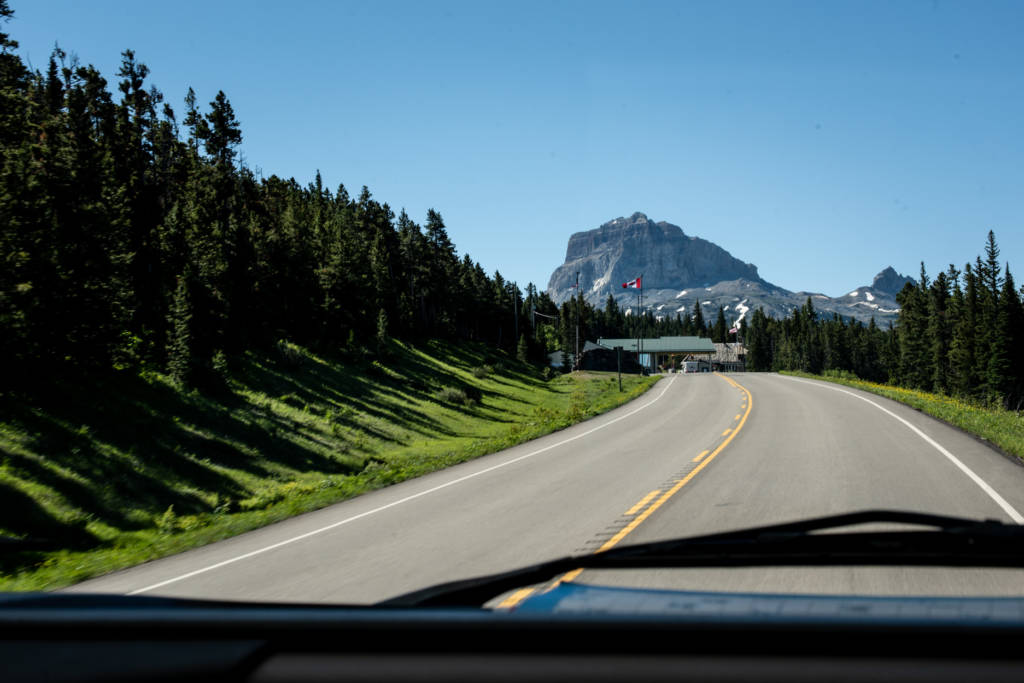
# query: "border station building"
661, 352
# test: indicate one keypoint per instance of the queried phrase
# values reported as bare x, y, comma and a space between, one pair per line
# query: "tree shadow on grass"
25, 518
129, 449
120, 449
326, 387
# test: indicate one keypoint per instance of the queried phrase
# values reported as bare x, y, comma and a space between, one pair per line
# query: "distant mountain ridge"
679, 269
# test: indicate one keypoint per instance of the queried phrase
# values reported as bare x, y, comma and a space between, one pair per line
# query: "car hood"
569, 598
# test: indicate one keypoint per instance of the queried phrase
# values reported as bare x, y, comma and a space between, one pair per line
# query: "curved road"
696, 454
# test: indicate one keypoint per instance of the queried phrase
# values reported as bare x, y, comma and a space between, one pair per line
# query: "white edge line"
394, 503
1000, 501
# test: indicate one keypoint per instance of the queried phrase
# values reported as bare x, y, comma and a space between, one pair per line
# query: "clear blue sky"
821, 141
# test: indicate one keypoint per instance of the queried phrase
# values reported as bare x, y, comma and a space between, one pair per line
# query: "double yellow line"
730, 434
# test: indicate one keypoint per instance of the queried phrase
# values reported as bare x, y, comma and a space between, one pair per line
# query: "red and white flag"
734, 330
635, 284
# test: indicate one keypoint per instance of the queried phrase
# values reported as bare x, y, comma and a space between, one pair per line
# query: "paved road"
696, 454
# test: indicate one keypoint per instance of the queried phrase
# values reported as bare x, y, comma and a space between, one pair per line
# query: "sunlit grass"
1002, 428
116, 472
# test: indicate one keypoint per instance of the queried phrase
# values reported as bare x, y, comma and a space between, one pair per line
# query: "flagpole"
639, 323
643, 321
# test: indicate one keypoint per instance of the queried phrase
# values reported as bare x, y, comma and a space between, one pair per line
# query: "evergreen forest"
959, 334
133, 237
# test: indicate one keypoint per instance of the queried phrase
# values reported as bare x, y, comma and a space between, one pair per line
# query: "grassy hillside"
118, 472
1003, 428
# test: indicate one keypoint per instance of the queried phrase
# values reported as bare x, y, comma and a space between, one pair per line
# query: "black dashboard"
160, 640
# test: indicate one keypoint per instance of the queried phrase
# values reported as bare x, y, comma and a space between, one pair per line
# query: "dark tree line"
133, 237
960, 334
809, 342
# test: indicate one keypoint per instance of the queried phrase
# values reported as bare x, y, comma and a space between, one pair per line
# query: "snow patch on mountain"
742, 308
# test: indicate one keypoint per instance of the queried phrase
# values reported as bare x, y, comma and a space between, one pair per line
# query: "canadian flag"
632, 283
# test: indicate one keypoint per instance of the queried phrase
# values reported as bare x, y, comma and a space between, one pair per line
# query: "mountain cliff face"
624, 248
679, 270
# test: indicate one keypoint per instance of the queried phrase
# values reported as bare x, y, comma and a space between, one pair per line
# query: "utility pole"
515, 311
576, 358
533, 318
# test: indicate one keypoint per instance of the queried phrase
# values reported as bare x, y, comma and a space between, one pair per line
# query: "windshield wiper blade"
952, 542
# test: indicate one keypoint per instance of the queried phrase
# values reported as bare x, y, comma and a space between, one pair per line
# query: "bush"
840, 374
289, 354
455, 396
167, 523
483, 371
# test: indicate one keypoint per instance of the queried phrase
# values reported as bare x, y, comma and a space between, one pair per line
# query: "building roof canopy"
662, 344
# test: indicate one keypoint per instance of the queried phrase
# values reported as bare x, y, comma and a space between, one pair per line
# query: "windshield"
334, 303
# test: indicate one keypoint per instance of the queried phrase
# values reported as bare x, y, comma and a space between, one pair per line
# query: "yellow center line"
568, 576
702, 454
643, 501
726, 432
516, 598
639, 519
737, 417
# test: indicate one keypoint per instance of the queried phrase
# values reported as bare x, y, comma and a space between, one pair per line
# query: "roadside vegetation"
993, 423
111, 473
190, 349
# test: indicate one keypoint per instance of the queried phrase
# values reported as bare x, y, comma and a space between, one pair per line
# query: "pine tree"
193, 121
962, 365
1002, 363
382, 337
720, 330
939, 332
1014, 341
915, 359
758, 343
179, 346
219, 130
523, 349
698, 319
612, 317
991, 272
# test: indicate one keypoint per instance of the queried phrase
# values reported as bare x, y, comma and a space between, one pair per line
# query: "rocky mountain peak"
682, 271
891, 282
624, 248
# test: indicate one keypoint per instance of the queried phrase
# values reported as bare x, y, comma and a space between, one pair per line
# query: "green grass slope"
117, 472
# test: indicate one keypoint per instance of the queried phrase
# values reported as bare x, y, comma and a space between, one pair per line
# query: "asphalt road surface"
696, 454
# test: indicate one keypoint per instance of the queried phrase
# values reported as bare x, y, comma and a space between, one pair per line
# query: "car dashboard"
573, 633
